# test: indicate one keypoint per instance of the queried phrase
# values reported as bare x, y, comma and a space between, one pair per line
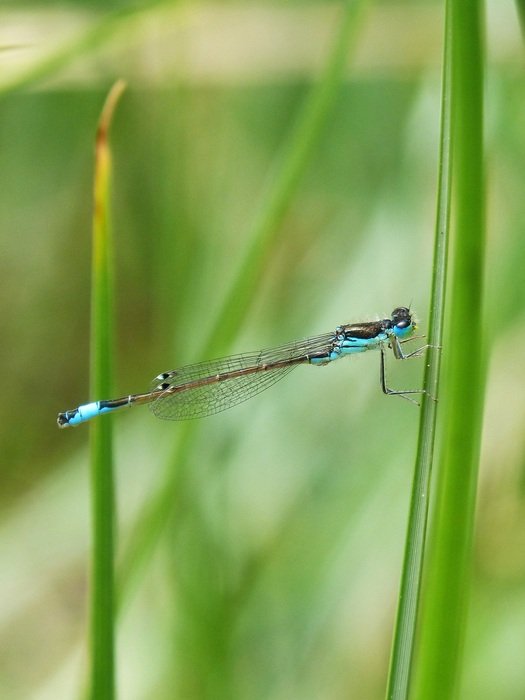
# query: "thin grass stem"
102, 664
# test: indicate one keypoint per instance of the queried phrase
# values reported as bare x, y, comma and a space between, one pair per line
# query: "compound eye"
401, 317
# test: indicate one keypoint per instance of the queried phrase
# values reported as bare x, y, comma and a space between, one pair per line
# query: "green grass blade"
285, 179
446, 594
102, 681
411, 580
291, 166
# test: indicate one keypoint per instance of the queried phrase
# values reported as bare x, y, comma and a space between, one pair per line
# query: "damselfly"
206, 388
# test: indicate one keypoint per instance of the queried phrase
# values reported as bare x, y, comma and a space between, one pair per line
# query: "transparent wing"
210, 387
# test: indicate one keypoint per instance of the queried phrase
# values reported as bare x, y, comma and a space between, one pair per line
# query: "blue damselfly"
206, 388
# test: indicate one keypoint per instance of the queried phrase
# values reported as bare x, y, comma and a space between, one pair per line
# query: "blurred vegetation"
278, 577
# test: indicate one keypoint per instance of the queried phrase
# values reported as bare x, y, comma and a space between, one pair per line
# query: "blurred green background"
277, 576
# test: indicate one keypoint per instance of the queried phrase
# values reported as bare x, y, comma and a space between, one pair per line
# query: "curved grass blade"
292, 165
409, 594
94, 36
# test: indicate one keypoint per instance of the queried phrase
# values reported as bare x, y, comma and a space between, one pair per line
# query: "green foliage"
273, 543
